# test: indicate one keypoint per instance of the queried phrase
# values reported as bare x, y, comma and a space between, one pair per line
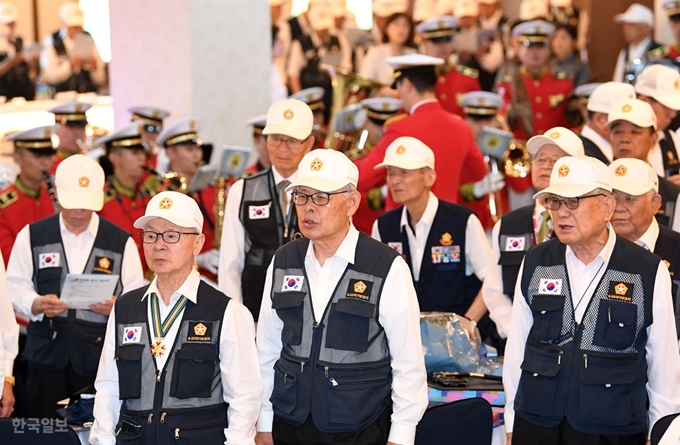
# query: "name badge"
46, 260
550, 286
258, 212
445, 254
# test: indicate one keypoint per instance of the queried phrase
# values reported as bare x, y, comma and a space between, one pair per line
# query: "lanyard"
160, 330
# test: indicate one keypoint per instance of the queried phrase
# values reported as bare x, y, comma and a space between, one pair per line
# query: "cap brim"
566, 190
632, 189
406, 165
671, 101
81, 200
535, 143
638, 122
320, 184
140, 223
288, 130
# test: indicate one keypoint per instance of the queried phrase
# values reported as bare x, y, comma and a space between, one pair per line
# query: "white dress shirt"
648, 239
234, 241
603, 144
77, 249
634, 52
241, 385
498, 303
477, 250
663, 359
9, 329
375, 66
56, 69
399, 315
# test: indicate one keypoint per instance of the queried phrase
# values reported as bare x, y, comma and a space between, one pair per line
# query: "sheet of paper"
81, 291
83, 46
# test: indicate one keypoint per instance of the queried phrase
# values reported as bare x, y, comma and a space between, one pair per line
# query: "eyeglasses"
319, 199
276, 141
540, 161
170, 237
570, 203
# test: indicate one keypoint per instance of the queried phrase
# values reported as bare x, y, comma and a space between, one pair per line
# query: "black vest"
669, 195
80, 82
312, 75
516, 225
593, 372
334, 366
76, 335
669, 153
442, 285
17, 82
263, 221
668, 248
185, 398
591, 149
295, 29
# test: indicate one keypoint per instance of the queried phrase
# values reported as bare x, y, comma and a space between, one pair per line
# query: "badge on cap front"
84, 181
165, 203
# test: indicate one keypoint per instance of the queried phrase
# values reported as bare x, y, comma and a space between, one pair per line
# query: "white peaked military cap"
634, 111
381, 108
604, 96
79, 181
178, 208
672, 8
633, 176
128, 136
71, 111
37, 139
438, 27
534, 32
481, 103
258, 123
411, 63
311, 96
564, 138
183, 132
150, 115
572, 177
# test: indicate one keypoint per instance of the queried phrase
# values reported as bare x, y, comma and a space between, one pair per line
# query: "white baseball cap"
320, 17
71, 14
532, 9
635, 111
466, 8
636, 13
408, 153
572, 177
633, 176
8, 13
79, 182
564, 138
175, 207
290, 117
325, 170
661, 83
605, 95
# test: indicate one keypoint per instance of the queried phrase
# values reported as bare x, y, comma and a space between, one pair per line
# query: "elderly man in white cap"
61, 66
592, 355
595, 133
633, 135
637, 25
443, 243
636, 189
63, 343
659, 86
523, 228
15, 80
179, 358
338, 307
259, 216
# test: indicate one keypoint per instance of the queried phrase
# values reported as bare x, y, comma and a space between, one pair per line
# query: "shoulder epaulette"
109, 194
506, 78
562, 75
467, 71
8, 198
395, 119
658, 53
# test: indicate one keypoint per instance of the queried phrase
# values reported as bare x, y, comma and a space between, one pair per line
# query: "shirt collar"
278, 177
92, 227
603, 144
422, 102
189, 288
345, 251
428, 214
606, 251
642, 44
650, 236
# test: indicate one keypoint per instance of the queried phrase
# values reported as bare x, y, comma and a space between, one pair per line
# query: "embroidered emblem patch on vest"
359, 289
200, 331
620, 291
103, 264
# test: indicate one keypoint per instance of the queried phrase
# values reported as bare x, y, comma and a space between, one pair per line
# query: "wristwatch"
10, 379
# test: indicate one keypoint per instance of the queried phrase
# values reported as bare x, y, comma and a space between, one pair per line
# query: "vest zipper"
148, 418
559, 357
176, 433
163, 417
585, 360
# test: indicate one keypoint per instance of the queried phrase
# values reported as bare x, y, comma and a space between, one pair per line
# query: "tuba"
516, 162
348, 89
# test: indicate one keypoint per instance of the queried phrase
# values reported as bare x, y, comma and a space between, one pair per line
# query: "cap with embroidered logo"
325, 170
311, 96
381, 108
672, 8
38, 140
564, 138
290, 117
182, 132
79, 183
633, 176
258, 123
412, 64
129, 136
408, 153
178, 208
481, 103
634, 111
661, 83
151, 116
534, 32
441, 28
636, 13
572, 177
604, 96
70, 113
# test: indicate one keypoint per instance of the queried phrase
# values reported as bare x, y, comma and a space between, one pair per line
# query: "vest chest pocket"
616, 325
193, 371
87, 343
606, 391
48, 278
348, 325
538, 381
290, 309
129, 363
547, 311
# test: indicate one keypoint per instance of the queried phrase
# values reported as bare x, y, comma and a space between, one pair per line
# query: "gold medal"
158, 348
